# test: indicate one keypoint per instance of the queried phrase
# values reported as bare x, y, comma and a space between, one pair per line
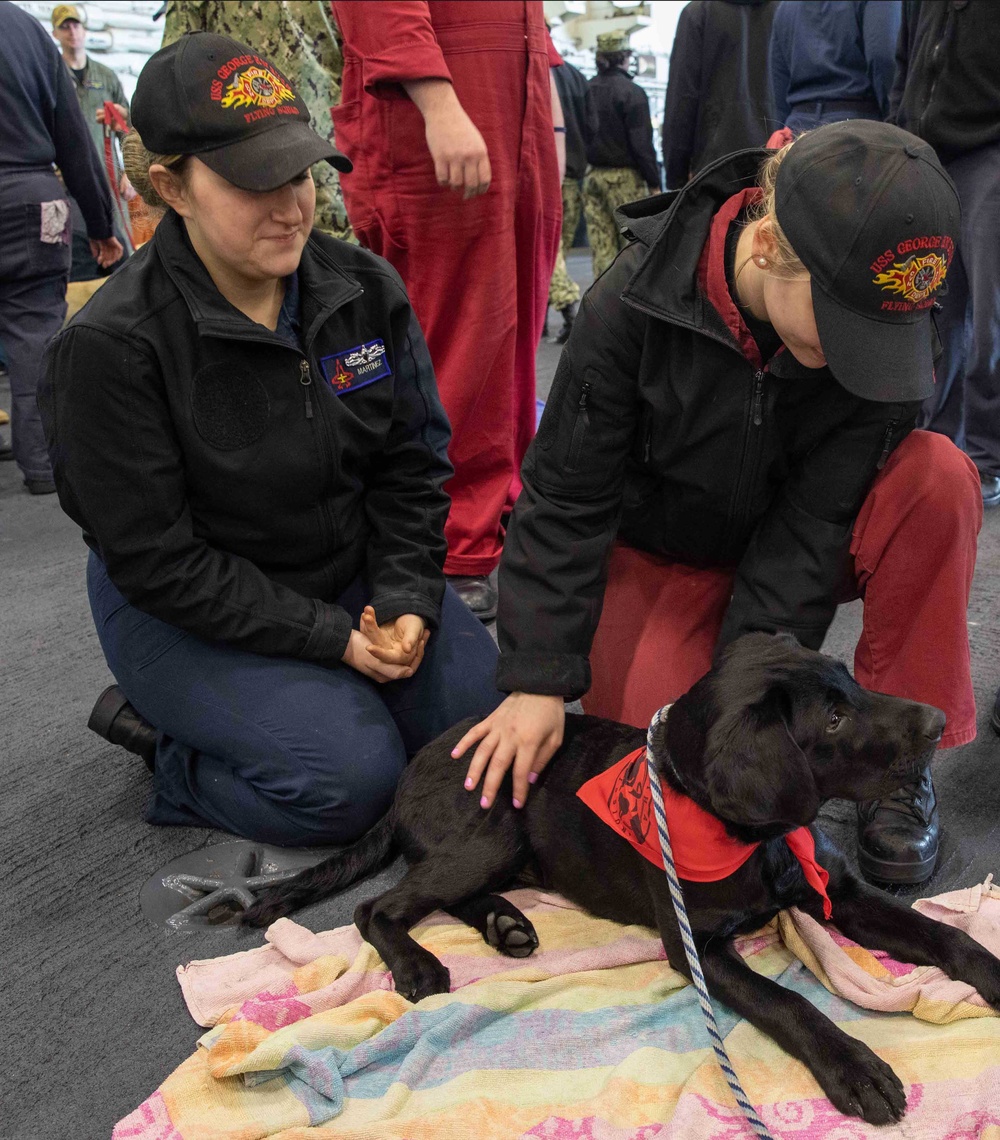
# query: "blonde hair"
137, 160
784, 263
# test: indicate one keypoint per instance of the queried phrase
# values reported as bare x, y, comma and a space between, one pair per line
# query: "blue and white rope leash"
759, 1127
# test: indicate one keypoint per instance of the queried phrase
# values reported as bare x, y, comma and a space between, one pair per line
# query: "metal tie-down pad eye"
212, 886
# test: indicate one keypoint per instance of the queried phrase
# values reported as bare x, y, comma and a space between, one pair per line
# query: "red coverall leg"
477, 271
914, 551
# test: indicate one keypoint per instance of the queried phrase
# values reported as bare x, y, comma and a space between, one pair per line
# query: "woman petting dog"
728, 446
246, 425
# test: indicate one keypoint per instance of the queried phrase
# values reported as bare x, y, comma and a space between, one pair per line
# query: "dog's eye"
834, 722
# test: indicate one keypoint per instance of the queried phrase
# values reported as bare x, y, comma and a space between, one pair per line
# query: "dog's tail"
371, 853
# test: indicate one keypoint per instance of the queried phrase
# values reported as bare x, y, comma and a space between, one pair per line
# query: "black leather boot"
478, 593
898, 835
118, 722
569, 316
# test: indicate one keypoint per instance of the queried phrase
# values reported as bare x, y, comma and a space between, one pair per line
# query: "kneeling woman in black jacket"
734, 407
245, 423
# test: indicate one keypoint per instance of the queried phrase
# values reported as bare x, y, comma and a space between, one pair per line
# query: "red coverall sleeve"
395, 41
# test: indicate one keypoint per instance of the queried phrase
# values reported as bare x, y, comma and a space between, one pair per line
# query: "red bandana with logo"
704, 851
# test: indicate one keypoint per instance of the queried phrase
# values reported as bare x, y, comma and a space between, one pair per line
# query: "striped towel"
594, 1037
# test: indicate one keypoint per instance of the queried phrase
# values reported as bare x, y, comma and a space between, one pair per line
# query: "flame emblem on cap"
256, 87
916, 277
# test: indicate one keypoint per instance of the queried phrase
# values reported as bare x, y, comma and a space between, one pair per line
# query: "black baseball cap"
871, 213
216, 98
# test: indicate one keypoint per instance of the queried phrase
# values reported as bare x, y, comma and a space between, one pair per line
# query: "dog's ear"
755, 773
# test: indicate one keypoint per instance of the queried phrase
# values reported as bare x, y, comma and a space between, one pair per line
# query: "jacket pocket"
47, 237
581, 428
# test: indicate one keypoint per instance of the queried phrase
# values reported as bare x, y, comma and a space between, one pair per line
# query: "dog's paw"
419, 977
512, 934
859, 1083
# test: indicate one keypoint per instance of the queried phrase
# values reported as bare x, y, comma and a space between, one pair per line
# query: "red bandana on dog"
704, 851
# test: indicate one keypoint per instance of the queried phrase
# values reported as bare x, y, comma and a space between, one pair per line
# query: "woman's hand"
398, 642
358, 656
524, 731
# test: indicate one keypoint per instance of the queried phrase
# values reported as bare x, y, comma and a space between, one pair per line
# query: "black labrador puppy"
760, 742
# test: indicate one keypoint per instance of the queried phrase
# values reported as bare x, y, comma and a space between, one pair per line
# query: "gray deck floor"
95, 1019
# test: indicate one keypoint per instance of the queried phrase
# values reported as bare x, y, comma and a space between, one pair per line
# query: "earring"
762, 262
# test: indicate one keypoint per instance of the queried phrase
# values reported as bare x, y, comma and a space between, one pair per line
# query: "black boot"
898, 835
117, 721
545, 326
568, 316
995, 718
478, 593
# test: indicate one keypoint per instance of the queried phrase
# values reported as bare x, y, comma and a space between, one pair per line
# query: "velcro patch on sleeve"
355, 367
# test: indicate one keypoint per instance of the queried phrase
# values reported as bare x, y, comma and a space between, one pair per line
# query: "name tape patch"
355, 367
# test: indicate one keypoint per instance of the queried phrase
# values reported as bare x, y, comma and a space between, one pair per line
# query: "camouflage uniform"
563, 290
620, 150
572, 205
301, 39
604, 190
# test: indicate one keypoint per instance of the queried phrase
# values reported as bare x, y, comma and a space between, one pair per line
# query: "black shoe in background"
118, 722
990, 485
6, 452
40, 486
478, 593
569, 316
899, 835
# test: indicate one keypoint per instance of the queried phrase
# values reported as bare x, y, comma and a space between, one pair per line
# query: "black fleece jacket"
234, 485
663, 429
947, 87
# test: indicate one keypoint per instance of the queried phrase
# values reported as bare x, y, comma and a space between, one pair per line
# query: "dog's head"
773, 730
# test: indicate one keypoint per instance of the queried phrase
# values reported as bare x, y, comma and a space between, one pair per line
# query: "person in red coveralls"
446, 114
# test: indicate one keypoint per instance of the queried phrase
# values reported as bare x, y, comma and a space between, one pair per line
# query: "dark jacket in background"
660, 429
571, 86
40, 119
718, 94
838, 52
235, 485
621, 132
947, 87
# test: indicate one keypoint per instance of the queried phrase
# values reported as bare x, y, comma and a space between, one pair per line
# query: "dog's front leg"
876, 920
858, 1082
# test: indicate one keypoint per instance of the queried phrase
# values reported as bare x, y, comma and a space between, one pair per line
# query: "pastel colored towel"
594, 1037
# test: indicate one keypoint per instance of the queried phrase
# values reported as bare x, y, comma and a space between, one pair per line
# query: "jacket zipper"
580, 427
748, 459
937, 64
886, 444
305, 379
757, 394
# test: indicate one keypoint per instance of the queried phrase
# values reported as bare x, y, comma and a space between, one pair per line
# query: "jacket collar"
674, 229
682, 275
323, 283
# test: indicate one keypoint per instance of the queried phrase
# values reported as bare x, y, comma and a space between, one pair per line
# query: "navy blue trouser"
965, 405
277, 749
33, 277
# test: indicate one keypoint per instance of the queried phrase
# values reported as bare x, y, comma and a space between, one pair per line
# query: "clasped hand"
387, 652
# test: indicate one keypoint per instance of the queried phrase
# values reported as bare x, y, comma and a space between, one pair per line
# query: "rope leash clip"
687, 937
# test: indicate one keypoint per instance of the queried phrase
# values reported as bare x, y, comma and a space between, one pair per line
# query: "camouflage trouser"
563, 290
605, 188
572, 205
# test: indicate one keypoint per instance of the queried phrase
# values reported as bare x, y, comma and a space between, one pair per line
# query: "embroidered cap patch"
355, 367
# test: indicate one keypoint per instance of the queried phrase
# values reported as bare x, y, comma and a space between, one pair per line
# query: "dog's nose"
933, 724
